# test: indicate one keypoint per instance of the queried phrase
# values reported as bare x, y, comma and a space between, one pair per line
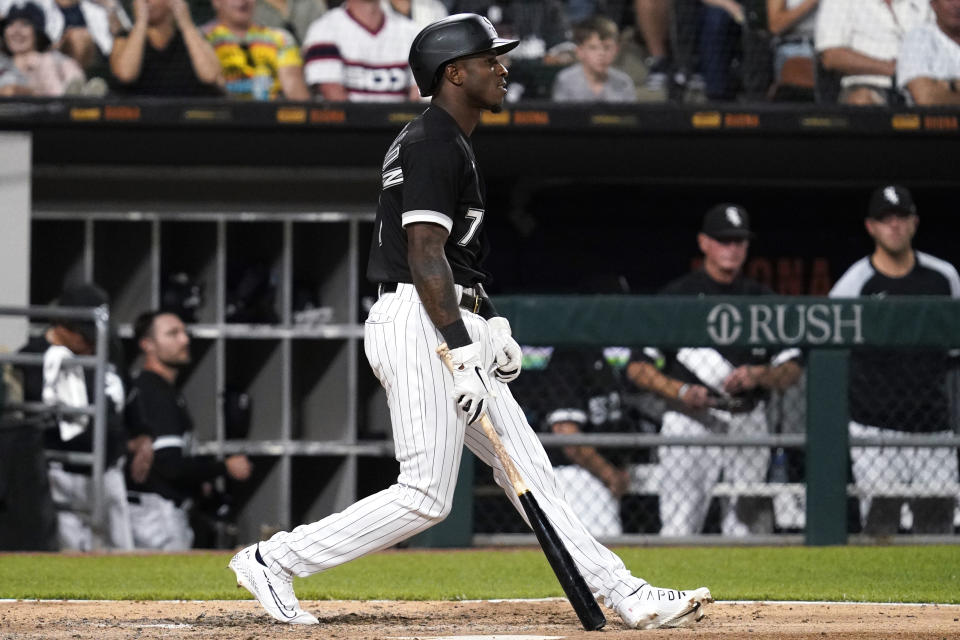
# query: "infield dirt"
244, 620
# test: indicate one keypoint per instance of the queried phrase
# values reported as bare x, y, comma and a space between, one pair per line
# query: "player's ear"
702, 239
453, 74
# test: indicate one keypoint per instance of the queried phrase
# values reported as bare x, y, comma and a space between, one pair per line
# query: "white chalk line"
493, 601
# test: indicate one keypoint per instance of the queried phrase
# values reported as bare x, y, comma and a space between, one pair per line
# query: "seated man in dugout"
160, 501
568, 390
61, 381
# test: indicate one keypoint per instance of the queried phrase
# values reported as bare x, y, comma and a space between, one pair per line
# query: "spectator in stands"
652, 18
540, 26
48, 72
928, 67
707, 44
52, 16
715, 391
580, 10
422, 12
258, 62
545, 36
792, 23
60, 382
293, 16
721, 26
594, 79
88, 30
12, 82
164, 54
358, 52
895, 393
861, 42
159, 503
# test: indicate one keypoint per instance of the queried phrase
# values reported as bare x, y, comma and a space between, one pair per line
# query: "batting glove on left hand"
471, 386
508, 355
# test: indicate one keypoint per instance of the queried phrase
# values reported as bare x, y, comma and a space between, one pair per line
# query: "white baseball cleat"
654, 608
273, 592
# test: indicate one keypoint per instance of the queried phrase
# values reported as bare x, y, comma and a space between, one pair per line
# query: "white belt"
165, 442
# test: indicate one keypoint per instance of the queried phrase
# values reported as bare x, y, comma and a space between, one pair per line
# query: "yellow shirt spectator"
251, 63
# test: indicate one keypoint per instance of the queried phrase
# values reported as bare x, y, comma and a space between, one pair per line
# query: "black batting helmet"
444, 41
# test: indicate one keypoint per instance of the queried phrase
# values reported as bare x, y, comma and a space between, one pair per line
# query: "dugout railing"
826, 330
16, 414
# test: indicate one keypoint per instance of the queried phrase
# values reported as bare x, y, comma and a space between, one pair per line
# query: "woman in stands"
48, 72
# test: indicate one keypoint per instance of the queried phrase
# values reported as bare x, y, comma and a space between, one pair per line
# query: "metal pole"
827, 447
98, 522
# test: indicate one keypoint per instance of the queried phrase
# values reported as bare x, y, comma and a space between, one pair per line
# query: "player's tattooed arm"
432, 276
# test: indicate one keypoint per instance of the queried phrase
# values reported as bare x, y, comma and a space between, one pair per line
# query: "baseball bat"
574, 586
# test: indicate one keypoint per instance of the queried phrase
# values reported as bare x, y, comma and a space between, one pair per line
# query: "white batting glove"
509, 357
471, 386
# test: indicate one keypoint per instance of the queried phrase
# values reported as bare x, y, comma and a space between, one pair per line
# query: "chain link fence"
670, 443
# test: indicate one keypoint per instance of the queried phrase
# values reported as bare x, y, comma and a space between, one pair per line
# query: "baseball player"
569, 390
159, 503
63, 382
715, 391
427, 254
894, 393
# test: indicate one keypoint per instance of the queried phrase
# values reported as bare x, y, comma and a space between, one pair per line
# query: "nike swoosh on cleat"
680, 616
283, 608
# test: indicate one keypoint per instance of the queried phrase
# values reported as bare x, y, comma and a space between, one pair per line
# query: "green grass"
872, 574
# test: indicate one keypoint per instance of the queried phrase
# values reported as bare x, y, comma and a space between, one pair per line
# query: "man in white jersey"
900, 392
929, 64
357, 52
427, 252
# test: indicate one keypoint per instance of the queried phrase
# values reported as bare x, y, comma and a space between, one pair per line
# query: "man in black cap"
897, 393
61, 382
713, 391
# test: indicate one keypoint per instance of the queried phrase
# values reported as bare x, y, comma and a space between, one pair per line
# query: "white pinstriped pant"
687, 475
429, 433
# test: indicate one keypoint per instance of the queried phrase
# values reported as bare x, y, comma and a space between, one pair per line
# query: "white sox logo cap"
727, 221
889, 199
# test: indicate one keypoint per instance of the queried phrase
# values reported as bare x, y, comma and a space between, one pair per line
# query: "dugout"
584, 192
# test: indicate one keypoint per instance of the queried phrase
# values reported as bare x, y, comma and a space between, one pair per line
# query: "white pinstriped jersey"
371, 65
